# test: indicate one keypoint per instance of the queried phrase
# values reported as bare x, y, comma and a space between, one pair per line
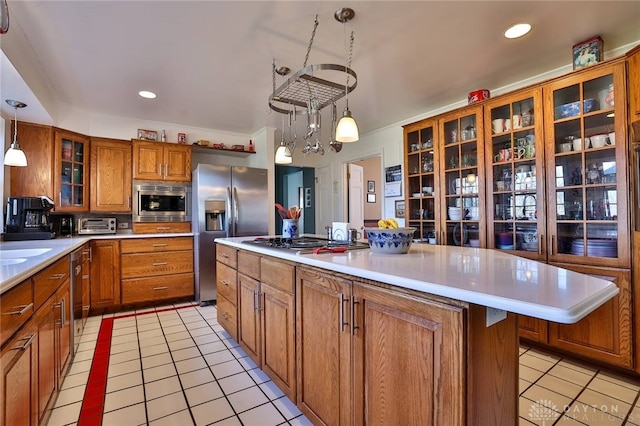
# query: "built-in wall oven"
161, 202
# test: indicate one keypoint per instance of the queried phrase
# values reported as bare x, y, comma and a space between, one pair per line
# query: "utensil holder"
290, 228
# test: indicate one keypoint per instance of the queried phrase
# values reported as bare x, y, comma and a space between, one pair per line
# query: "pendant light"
14, 155
283, 153
347, 129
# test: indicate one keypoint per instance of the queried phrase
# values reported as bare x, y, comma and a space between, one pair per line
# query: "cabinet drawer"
47, 282
226, 255
277, 274
153, 264
249, 264
155, 289
144, 245
161, 227
16, 308
226, 282
227, 316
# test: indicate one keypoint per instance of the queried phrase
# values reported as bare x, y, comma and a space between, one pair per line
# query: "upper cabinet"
161, 161
514, 153
586, 162
57, 166
111, 170
633, 75
71, 171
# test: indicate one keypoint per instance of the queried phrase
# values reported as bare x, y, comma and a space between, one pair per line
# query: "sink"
14, 261
21, 253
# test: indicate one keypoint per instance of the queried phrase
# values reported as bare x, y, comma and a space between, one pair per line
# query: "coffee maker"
28, 219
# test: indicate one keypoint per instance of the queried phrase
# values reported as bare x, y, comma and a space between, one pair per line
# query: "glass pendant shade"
283, 155
347, 129
15, 157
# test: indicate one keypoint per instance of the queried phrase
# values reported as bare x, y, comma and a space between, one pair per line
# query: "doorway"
295, 186
366, 184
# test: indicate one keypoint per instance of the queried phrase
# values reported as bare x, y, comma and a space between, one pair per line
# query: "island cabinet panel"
323, 341
45, 319
19, 379
533, 329
248, 316
605, 334
403, 348
227, 285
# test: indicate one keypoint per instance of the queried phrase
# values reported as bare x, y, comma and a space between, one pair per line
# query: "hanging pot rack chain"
306, 83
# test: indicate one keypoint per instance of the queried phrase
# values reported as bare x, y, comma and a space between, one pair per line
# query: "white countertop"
481, 276
11, 275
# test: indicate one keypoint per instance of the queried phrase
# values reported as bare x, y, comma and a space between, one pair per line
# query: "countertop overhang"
481, 276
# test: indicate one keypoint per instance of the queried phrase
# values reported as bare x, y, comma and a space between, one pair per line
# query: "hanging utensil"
333, 143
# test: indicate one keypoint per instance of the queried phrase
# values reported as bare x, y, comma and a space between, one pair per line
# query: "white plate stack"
455, 213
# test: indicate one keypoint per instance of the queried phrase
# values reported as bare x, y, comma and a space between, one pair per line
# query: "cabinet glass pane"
78, 152
77, 174
66, 149
421, 183
78, 200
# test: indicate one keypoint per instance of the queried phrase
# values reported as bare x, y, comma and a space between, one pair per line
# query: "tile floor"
176, 365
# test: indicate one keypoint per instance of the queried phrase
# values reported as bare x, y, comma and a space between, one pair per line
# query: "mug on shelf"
498, 125
565, 147
502, 156
517, 121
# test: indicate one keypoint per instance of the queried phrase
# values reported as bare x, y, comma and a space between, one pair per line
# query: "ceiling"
210, 62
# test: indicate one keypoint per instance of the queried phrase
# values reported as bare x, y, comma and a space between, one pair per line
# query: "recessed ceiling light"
147, 94
517, 30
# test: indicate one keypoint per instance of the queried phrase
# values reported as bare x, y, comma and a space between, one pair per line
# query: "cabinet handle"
78, 269
163, 228
551, 245
22, 311
541, 240
129, 201
166, 169
86, 308
159, 245
353, 316
225, 282
56, 276
342, 323
255, 300
160, 288
159, 263
63, 317
60, 198
26, 344
224, 255
160, 169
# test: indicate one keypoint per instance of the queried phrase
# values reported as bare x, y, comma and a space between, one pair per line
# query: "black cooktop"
302, 243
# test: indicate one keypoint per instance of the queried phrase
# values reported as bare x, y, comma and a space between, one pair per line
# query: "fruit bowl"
390, 241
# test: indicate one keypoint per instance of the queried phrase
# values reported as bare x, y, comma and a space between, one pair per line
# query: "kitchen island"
429, 337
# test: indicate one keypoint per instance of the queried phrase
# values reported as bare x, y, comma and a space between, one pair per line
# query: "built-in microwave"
161, 202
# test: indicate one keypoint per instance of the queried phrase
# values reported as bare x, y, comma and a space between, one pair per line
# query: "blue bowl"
390, 241
572, 109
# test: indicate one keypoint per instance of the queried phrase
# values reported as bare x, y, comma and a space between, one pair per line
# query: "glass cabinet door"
515, 164
462, 179
72, 172
588, 181
420, 205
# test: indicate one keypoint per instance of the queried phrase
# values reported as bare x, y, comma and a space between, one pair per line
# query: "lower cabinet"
19, 380
105, 275
365, 352
603, 336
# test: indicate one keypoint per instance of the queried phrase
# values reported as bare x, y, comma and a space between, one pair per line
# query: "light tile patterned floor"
170, 367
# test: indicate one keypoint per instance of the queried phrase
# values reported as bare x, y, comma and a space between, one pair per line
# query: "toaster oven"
96, 225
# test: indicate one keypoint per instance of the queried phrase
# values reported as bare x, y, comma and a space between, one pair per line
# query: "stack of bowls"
455, 213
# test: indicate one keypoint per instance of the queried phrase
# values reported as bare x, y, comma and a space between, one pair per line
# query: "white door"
324, 206
356, 196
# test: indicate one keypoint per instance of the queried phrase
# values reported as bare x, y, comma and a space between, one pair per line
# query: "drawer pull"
224, 255
86, 308
26, 344
159, 263
225, 282
22, 311
56, 276
160, 244
161, 288
163, 228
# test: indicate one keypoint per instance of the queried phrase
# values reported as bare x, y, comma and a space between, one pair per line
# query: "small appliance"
28, 219
97, 225
161, 202
62, 224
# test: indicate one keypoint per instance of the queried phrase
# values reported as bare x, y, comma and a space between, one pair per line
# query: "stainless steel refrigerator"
227, 202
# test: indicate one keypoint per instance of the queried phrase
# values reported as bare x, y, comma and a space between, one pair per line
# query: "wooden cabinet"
19, 379
63, 328
161, 227
37, 178
633, 78
227, 285
111, 171
16, 308
161, 161
45, 319
515, 178
145, 259
71, 171
105, 275
266, 327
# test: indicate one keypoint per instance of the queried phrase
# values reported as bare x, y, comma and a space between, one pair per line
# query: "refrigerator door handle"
236, 213
230, 219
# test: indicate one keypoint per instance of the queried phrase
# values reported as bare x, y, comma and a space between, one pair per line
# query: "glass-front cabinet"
421, 208
514, 152
461, 191
71, 172
587, 176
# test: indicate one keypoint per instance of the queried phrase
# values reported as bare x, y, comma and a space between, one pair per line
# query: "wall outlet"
123, 225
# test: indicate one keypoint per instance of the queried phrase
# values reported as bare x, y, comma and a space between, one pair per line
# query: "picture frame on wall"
371, 198
371, 186
400, 208
147, 135
587, 53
